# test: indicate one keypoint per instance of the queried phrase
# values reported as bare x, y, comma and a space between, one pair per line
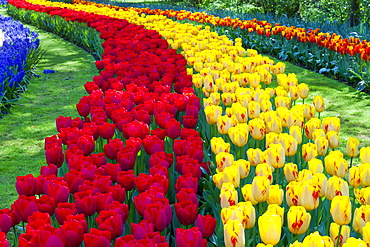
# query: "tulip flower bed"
19, 54
324, 52
141, 116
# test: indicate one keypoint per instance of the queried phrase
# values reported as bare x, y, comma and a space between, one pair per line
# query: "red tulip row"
131, 124
330, 41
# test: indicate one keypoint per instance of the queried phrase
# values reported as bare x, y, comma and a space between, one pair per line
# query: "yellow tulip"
298, 220
316, 240
290, 172
359, 218
276, 195
247, 194
334, 232
257, 128
228, 195
224, 123
275, 125
354, 178
311, 126
309, 151
333, 139
340, 210
264, 245
363, 195
365, 155
317, 133
254, 80
249, 214
303, 90
254, 109
255, 156
218, 145
290, 144
336, 186
321, 181
239, 135
296, 132
232, 175
335, 165
293, 93
315, 166
243, 166
364, 170
272, 137
276, 209
234, 234
296, 244
291, 194
318, 102
227, 98
269, 227
264, 169
260, 188
266, 106
275, 155
241, 114
331, 123
218, 179
322, 145
354, 242
308, 195
224, 160
212, 113
366, 233
281, 101
231, 213
308, 111
304, 175
352, 147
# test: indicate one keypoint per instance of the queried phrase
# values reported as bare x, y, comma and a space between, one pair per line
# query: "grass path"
22, 133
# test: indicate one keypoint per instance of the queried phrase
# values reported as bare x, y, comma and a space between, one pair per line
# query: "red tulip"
162, 118
173, 128
189, 121
83, 108
139, 230
153, 144
54, 155
26, 185
58, 190
73, 232
159, 214
46, 204
158, 169
161, 158
187, 194
126, 158
102, 200
24, 207
3, 241
98, 159
158, 132
107, 130
118, 192
121, 208
111, 149
63, 210
31, 238
179, 147
186, 212
206, 225
187, 133
188, 237
186, 181
5, 221
126, 179
63, 122
49, 170
110, 221
144, 182
97, 238
135, 129
80, 218
85, 202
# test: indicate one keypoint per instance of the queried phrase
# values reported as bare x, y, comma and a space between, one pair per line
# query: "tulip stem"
350, 164
15, 236
338, 239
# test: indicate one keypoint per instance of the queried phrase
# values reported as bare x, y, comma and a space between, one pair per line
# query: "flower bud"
340, 210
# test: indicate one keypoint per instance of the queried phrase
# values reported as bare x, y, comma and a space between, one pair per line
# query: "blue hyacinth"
16, 42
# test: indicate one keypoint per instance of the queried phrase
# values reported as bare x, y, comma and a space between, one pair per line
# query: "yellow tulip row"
220, 65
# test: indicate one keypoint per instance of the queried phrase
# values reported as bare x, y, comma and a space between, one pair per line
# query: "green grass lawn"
22, 133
